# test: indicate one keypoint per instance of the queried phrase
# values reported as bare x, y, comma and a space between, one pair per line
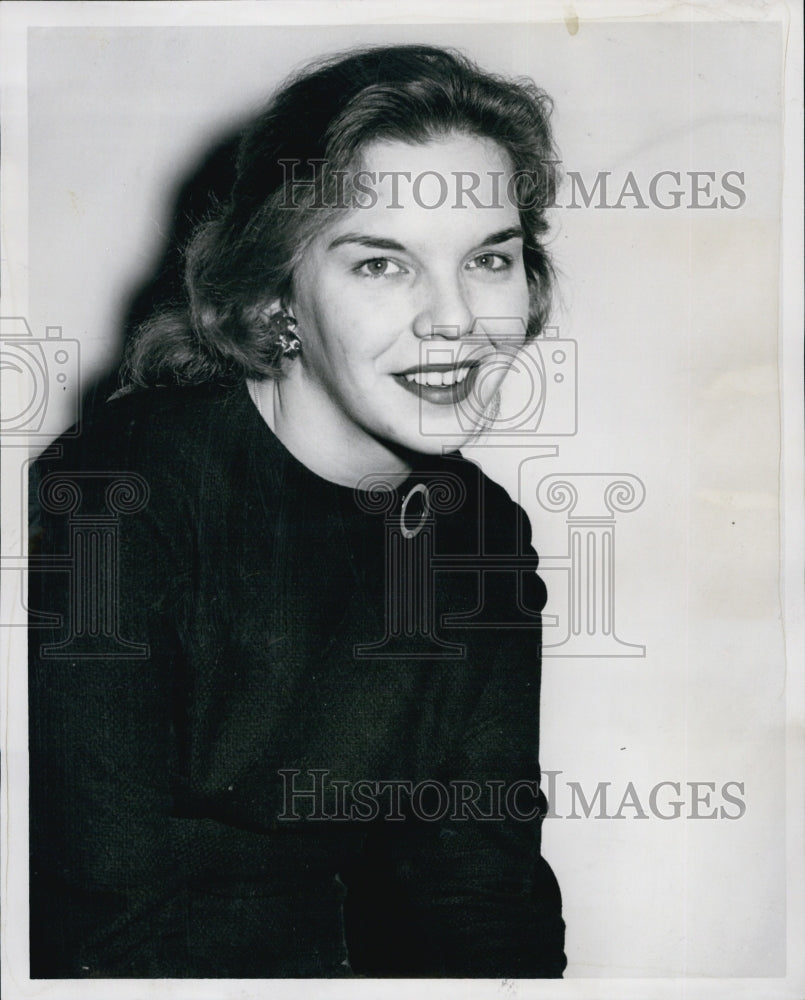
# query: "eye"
490, 262
379, 267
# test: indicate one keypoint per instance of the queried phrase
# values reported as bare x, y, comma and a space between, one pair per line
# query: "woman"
288, 725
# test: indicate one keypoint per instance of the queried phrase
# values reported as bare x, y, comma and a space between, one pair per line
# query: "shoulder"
151, 428
505, 525
160, 449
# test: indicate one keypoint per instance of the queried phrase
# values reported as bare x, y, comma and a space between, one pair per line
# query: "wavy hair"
292, 159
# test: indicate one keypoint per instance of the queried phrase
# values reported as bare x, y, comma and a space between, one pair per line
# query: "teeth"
438, 378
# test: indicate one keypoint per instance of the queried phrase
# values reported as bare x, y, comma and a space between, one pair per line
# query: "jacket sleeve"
105, 881
469, 894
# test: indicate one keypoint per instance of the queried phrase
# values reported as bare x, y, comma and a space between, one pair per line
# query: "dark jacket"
248, 702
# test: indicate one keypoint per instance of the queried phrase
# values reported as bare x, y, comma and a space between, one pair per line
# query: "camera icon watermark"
41, 377
541, 397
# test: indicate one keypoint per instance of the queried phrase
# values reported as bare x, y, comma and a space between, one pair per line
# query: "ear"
284, 304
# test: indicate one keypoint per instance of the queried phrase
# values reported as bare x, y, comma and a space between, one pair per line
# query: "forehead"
450, 188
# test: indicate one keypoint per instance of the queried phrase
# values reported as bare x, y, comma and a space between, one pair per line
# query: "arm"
471, 895
106, 884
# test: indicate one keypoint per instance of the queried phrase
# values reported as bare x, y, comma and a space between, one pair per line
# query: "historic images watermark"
545, 410
315, 794
313, 185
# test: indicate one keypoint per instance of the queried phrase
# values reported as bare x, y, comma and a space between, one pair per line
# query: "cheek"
370, 325
504, 298
502, 315
325, 320
348, 343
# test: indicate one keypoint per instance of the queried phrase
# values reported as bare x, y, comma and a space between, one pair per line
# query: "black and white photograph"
402, 483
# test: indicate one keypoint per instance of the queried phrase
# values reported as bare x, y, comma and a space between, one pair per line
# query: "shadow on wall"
207, 184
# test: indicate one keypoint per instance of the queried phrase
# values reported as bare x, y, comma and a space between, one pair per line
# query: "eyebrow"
381, 243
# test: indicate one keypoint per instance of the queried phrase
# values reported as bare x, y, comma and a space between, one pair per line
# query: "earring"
282, 331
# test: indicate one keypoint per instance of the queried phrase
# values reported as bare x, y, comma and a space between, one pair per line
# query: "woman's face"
411, 309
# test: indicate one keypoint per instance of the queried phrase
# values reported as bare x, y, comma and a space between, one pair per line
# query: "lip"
440, 395
443, 367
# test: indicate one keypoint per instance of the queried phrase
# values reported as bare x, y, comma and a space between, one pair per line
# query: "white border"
15, 18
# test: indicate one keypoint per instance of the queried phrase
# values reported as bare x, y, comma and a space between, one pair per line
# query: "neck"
327, 448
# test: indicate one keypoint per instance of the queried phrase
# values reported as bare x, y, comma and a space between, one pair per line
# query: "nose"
445, 312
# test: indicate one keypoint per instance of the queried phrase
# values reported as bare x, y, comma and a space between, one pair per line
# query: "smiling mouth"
440, 384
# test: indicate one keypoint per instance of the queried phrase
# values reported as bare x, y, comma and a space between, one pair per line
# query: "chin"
436, 440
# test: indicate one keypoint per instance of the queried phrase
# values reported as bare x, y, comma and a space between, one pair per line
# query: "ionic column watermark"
409, 531
591, 500
92, 561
